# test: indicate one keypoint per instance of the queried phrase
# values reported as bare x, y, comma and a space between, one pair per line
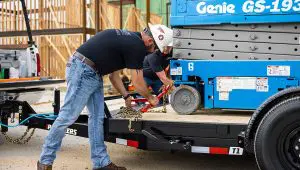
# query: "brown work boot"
111, 166
43, 167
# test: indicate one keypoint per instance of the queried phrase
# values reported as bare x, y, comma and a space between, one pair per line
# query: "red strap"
148, 106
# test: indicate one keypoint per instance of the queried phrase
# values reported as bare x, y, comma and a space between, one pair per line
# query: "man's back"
114, 49
153, 63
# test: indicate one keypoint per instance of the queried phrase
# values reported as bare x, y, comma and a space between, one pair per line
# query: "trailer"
236, 69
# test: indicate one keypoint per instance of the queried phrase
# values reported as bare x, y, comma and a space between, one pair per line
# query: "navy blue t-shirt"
155, 62
115, 49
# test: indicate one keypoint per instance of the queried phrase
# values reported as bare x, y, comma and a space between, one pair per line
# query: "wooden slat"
18, 79
55, 50
2, 21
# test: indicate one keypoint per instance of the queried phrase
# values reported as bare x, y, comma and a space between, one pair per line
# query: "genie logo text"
249, 6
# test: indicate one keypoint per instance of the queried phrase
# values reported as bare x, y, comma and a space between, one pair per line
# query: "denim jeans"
84, 88
155, 85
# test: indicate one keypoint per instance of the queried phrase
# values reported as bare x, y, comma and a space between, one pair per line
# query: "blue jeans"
85, 88
155, 85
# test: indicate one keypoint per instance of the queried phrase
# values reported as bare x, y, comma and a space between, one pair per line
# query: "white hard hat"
162, 35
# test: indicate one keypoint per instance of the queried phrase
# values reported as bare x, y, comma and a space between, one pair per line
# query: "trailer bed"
31, 83
201, 116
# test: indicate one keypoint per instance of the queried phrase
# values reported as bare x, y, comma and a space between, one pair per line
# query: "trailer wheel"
277, 140
185, 99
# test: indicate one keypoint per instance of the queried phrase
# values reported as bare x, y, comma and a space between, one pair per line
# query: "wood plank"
63, 37
18, 20
129, 15
2, 20
84, 18
19, 79
200, 116
10, 21
141, 23
47, 32
35, 13
56, 49
14, 46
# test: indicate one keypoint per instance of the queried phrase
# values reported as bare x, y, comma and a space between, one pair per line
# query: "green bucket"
2, 73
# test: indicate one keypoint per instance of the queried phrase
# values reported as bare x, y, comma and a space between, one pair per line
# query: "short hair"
147, 31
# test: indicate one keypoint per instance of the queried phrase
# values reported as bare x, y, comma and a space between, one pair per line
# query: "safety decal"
230, 83
127, 142
218, 150
262, 84
223, 95
278, 70
176, 71
160, 37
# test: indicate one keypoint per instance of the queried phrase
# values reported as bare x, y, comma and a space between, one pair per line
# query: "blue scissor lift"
242, 55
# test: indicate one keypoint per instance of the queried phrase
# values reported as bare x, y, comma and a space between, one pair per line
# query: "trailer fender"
262, 110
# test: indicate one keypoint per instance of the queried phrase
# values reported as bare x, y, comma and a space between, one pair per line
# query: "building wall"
156, 6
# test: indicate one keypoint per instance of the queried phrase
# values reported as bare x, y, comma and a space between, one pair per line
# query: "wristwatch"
126, 97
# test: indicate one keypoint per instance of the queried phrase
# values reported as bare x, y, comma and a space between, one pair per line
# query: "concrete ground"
74, 154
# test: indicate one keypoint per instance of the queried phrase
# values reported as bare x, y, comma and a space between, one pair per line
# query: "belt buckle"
68, 64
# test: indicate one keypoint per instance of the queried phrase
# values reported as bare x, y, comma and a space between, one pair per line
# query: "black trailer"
271, 132
155, 131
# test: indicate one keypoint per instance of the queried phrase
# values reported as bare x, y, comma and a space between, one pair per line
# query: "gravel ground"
74, 154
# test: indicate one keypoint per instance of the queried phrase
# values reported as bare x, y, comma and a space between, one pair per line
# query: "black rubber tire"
271, 138
193, 103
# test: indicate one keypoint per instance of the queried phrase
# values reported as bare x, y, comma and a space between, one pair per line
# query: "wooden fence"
61, 26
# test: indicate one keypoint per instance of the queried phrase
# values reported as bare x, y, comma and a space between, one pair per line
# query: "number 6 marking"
191, 66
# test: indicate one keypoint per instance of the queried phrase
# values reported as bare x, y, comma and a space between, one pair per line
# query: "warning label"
223, 95
230, 83
262, 85
278, 70
226, 84
176, 71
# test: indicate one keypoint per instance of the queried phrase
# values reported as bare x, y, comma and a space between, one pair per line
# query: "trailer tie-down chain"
164, 106
131, 114
22, 139
135, 115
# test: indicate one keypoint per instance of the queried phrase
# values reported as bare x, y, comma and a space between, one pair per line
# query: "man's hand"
165, 80
128, 102
153, 100
139, 83
172, 87
118, 84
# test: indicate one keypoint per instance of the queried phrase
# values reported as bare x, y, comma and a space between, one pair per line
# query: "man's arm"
116, 81
163, 78
140, 86
139, 83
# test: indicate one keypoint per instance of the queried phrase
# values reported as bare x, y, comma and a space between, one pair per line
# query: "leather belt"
85, 60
